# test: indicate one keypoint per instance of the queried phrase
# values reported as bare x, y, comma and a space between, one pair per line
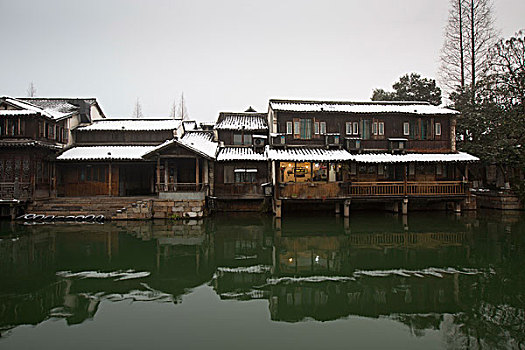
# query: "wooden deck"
347, 190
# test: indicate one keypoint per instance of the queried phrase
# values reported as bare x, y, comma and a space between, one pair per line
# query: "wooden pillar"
346, 209
278, 208
197, 171
404, 206
337, 208
166, 175
109, 179
158, 174
466, 172
405, 180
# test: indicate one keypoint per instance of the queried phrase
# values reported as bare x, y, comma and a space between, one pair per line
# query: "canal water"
426, 281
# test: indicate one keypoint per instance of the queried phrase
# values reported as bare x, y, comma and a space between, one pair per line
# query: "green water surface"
426, 281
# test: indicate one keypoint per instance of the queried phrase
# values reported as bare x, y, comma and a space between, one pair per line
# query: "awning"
413, 157
308, 154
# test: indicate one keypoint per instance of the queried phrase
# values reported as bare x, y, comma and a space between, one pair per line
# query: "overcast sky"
224, 55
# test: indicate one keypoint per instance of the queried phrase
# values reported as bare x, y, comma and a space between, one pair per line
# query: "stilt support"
346, 208
278, 208
404, 206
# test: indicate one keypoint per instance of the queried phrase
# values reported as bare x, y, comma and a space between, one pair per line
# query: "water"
432, 280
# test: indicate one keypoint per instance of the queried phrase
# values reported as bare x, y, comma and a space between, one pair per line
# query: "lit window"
406, 128
438, 129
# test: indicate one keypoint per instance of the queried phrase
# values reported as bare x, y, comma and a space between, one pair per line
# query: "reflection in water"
460, 275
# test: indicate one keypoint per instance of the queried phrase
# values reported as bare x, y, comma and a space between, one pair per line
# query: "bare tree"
469, 35
173, 112
182, 112
31, 90
137, 110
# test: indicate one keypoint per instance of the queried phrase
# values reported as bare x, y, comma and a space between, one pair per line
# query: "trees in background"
469, 35
31, 90
137, 110
492, 122
410, 87
182, 112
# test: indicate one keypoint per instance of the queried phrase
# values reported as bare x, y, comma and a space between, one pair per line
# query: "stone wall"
498, 200
163, 209
178, 209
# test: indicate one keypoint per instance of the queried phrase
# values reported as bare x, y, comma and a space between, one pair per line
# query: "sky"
223, 55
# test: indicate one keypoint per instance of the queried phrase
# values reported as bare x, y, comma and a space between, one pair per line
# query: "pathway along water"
431, 280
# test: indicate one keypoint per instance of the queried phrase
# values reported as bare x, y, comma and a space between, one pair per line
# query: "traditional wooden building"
370, 151
32, 132
107, 158
241, 169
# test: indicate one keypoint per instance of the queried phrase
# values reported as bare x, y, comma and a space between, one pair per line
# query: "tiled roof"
132, 125
413, 157
105, 153
307, 154
238, 121
238, 154
28, 143
200, 142
53, 112
420, 108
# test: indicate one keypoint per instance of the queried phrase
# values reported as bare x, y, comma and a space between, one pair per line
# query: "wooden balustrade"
16, 190
330, 190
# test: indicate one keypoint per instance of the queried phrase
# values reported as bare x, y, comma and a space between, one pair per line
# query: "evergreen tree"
411, 87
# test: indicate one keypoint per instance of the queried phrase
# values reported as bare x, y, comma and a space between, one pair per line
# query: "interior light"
317, 259
290, 260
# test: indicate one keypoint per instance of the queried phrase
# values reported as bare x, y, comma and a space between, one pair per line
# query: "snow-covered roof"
239, 154
105, 153
413, 157
189, 125
132, 125
420, 108
200, 142
239, 121
307, 154
53, 112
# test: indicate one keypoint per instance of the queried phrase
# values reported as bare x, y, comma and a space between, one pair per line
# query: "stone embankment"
122, 208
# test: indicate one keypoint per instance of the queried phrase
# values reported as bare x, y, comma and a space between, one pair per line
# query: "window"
374, 128
439, 169
406, 128
245, 175
296, 129
380, 169
306, 129
365, 129
411, 169
240, 139
353, 169
438, 129
316, 128
355, 128
289, 128
336, 139
323, 128
237, 139
283, 140
349, 130
381, 130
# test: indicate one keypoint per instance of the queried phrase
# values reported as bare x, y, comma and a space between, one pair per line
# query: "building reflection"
458, 274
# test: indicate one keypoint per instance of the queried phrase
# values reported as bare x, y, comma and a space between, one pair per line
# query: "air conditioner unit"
278, 139
332, 139
353, 143
397, 144
258, 142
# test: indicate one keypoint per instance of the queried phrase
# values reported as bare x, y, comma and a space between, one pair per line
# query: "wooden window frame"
349, 128
406, 128
381, 128
437, 129
322, 128
355, 128
289, 128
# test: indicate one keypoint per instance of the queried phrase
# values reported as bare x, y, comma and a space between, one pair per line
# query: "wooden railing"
412, 188
332, 190
180, 187
16, 190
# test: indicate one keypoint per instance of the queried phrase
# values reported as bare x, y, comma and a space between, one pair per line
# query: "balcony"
368, 190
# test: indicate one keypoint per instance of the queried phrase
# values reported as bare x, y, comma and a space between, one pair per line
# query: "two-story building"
241, 169
387, 152
32, 132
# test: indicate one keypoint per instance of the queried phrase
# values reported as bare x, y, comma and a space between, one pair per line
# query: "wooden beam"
158, 174
166, 175
109, 179
197, 171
